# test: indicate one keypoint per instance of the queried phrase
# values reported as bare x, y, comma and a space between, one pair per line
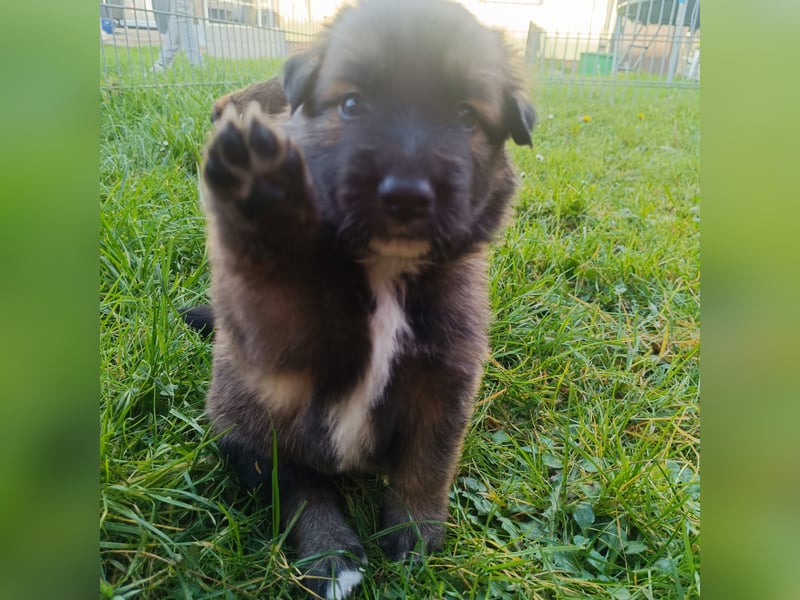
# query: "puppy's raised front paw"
254, 165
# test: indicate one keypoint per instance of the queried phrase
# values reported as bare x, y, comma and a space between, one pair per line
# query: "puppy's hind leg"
200, 318
330, 553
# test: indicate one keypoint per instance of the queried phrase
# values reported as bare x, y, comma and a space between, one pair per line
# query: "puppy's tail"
199, 318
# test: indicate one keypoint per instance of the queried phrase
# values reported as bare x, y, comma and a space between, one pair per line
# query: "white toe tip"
346, 582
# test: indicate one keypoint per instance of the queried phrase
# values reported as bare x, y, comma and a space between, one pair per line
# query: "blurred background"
590, 45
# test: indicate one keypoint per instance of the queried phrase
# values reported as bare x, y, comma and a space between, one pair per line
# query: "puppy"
347, 239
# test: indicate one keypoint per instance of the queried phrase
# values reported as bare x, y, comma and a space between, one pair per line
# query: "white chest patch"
351, 431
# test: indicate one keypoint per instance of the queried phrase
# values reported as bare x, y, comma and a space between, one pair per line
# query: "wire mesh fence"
585, 45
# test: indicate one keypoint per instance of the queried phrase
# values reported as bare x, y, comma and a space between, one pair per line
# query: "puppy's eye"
352, 105
467, 117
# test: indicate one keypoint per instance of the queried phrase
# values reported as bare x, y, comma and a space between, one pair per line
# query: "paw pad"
250, 161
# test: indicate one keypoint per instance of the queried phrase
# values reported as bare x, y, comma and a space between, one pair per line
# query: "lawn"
580, 473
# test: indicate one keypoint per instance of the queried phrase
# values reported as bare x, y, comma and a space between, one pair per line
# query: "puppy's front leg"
331, 554
416, 503
256, 188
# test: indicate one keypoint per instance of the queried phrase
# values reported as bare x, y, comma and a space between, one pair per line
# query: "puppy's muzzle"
406, 199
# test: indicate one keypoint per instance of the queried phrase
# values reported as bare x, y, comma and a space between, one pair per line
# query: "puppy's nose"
406, 198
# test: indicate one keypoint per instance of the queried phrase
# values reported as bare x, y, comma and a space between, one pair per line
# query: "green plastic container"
595, 63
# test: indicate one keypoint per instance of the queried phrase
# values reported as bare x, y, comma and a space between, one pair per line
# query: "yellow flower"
640, 115
586, 118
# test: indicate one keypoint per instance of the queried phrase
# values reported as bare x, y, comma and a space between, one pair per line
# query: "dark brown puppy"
347, 243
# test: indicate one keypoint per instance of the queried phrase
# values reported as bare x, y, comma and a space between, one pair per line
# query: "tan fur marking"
284, 392
399, 248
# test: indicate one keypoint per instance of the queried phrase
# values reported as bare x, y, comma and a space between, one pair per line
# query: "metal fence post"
680, 21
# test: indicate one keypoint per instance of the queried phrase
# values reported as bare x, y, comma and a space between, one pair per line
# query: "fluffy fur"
347, 241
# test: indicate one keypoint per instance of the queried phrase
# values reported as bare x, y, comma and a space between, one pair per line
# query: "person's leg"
170, 44
187, 32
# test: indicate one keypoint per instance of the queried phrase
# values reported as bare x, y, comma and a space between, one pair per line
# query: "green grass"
130, 66
580, 473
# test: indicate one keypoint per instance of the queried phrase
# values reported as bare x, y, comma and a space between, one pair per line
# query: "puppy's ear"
519, 118
300, 75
